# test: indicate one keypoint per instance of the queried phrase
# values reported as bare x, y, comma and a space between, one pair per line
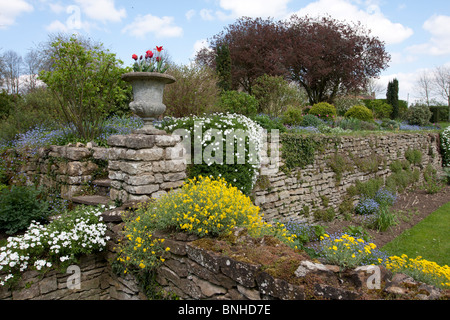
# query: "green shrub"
19, 206
323, 110
87, 83
293, 116
310, 120
380, 108
344, 103
350, 124
269, 123
238, 102
275, 94
390, 124
359, 112
418, 115
194, 93
414, 156
382, 220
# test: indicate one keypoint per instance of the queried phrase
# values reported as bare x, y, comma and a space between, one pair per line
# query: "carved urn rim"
166, 78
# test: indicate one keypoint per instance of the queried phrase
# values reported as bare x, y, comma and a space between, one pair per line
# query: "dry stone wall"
338, 164
71, 169
97, 282
195, 269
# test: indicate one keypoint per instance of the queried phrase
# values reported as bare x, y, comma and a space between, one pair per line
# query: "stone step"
102, 186
91, 200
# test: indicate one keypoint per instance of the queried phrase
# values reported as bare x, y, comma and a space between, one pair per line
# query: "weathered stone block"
77, 153
171, 185
141, 190
139, 141
139, 180
240, 272
169, 166
167, 141
116, 141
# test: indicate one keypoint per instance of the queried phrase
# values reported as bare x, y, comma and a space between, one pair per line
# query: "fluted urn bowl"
148, 90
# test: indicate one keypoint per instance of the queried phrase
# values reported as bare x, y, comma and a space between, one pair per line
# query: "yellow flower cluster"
203, 206
207, 206
420, 269
140, 247
346, 251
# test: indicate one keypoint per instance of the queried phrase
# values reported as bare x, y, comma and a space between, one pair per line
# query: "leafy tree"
223, 67
327, 56
87, 84
255, 50
392, 98
195, 92
275, 95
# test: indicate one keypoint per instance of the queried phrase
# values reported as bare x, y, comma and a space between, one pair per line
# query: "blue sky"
416, 32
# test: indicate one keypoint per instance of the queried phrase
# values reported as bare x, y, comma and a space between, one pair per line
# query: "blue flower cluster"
385, 197
304, 232
38, 137
367, 206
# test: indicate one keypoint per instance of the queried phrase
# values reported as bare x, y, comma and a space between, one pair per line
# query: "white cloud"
255, 8
439, 44
57, 26
10, 10
207, 14
371, 17
190, 14
199, 45
73, 22
159, 27
56, 7
102, 10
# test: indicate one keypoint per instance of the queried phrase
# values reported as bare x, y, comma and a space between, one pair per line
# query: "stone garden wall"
97, 281
200, 269
146, 165
338, 164
69, 169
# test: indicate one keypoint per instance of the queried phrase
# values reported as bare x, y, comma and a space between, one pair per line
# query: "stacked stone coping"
69, 167
284, 196
145, 165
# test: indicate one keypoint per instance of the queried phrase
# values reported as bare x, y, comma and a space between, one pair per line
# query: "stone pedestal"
145, 165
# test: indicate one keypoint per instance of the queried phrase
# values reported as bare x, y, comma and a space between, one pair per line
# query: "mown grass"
430, 238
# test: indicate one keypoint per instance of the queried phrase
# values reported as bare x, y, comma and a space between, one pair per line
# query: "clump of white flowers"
445, 146
221, 145
76, 232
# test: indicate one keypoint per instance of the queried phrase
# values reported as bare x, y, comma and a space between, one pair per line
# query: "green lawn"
430, 238
444, 124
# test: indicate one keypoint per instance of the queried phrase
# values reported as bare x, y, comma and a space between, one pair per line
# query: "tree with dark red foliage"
327, 57
323, 55
255, 50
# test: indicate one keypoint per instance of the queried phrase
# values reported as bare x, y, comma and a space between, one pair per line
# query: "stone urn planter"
148, 90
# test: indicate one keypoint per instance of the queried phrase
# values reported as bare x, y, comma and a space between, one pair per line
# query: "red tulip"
135, 57
159, 49
149, 54
158, 59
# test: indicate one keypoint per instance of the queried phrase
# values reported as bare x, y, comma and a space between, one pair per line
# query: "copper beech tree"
323, 55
